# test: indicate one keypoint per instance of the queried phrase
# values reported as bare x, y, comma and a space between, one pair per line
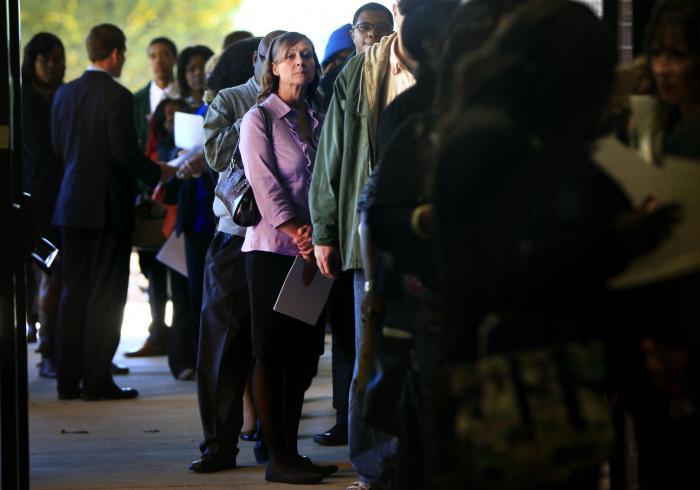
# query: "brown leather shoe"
148, 349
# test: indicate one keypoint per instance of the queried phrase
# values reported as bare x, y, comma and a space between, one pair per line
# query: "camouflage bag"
527, 419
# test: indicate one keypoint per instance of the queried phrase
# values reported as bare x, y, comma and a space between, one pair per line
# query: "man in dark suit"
93, 134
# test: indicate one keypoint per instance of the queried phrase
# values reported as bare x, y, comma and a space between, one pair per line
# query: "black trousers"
340, 315
181, 350
95, 281
225, 350
157, 275
196, 248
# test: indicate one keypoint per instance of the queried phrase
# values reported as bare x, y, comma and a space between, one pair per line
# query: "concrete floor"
149, 442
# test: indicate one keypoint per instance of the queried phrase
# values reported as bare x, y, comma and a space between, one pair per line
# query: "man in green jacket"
347, 153
162, 55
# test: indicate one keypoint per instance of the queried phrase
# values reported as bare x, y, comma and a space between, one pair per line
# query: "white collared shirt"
156, 94
97, 68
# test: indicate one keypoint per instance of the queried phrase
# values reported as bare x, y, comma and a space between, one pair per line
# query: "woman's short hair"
40, 44
102, 40
235, 65
185, 56
278, 49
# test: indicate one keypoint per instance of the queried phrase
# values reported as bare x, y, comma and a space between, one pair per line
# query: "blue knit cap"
339, 40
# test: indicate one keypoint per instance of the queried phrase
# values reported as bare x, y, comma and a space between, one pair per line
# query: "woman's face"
296, 66
169, 123
50, 68
194, 73
676, 69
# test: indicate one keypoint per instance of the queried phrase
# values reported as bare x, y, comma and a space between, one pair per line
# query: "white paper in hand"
189, 130
300, 301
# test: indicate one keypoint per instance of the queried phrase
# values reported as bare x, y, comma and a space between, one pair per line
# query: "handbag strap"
268, 131
268, 123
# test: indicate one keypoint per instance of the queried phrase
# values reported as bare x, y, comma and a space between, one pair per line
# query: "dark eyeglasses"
380, 28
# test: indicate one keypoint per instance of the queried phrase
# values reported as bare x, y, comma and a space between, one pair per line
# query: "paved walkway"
148, 443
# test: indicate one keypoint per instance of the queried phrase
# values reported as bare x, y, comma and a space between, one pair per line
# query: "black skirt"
278, 337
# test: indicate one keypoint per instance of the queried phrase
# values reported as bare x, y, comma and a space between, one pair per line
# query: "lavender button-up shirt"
280, 176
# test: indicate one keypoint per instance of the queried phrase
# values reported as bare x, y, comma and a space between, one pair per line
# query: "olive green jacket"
347, 151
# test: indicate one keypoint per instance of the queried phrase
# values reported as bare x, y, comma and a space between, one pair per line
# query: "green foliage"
186, 22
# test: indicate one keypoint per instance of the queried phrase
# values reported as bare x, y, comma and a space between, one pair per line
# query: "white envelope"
303, 302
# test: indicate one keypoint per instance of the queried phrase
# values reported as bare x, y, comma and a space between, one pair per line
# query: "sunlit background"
186, 22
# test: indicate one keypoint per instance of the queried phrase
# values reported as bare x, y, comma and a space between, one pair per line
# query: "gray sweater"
221, 126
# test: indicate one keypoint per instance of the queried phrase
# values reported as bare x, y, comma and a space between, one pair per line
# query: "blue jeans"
372, 452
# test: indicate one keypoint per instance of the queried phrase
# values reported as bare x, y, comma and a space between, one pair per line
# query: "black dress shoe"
117, 370
111, 393
324, 470
69, 394
335, 436
211, 463
295, 475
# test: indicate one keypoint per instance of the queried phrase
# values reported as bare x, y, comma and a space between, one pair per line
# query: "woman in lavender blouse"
279, 171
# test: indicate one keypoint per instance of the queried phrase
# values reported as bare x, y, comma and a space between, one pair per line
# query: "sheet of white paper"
189, 130
303, 302
638, 178
176, 162
172, 253
679, 254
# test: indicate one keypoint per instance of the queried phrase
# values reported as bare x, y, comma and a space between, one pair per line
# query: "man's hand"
328, 260
192, 167
166, 171
309, 273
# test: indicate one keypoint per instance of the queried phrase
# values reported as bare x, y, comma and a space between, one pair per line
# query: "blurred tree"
186, 22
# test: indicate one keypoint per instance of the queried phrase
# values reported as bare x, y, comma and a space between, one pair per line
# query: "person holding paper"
194, 188
279, 171
528, 231
662, 387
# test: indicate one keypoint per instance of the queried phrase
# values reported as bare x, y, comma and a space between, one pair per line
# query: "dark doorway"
14, 446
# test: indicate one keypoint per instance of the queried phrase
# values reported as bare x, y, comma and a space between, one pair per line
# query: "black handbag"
234, 190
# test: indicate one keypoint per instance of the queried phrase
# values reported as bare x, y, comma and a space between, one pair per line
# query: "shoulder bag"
234, 189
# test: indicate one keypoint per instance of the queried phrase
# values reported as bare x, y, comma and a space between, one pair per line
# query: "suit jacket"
142, 109
92, 132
